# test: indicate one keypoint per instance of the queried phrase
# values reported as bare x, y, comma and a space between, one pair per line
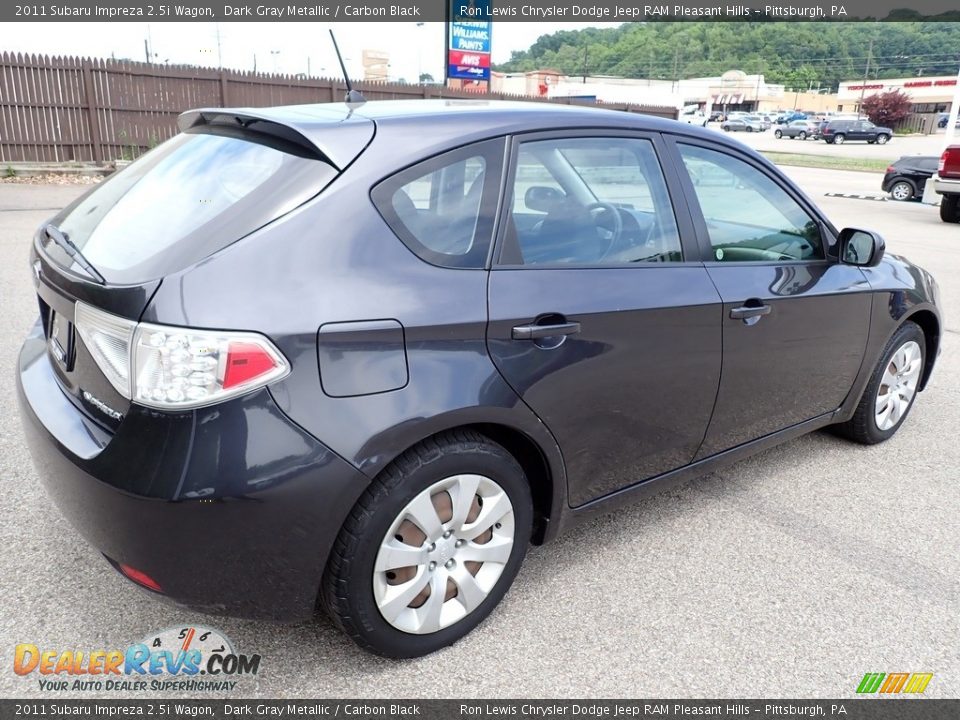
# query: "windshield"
188, 198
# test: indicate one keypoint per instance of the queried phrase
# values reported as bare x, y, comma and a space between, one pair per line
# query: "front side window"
443, 208
590, 201
749, 217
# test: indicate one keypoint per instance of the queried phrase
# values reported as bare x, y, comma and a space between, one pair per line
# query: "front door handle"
745, 312
533, 332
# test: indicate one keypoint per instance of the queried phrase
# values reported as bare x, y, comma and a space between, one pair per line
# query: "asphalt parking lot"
787, 575
897, 147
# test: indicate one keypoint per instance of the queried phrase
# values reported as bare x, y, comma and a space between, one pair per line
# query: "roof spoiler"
250, 125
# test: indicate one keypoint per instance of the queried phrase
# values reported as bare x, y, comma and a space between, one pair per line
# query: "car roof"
341, 130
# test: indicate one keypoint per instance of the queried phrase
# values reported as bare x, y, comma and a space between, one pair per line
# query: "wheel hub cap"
443, 554
898, 385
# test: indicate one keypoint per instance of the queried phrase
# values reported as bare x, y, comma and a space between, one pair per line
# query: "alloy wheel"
898, 385
901, 191
443, 554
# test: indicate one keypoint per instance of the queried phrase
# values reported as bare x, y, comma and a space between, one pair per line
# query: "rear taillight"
177, 368
890, 169
107, 338
949, 165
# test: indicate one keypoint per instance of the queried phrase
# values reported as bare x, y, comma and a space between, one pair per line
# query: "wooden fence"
69, 109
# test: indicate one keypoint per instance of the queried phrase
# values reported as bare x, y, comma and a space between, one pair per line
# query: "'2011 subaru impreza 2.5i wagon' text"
363, 355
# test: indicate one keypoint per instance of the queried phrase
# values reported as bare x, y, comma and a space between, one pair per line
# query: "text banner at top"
579, 11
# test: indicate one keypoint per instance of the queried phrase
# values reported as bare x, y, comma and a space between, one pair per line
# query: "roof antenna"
352, 96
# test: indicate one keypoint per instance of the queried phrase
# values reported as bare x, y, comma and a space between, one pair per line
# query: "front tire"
778, 134
431, 547
882, 139
802, 135
893, 387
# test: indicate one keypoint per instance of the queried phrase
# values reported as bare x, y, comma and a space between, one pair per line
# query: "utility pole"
866, 74
757, 108
586, 48
148, 45
674, 77
219, 48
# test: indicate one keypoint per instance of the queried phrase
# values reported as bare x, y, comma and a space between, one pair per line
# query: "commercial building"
734, 90
929, 95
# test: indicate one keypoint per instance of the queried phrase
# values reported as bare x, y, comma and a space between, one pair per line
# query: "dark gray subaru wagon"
362, 355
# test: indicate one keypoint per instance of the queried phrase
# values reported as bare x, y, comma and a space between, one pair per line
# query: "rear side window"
443, 208
188, 198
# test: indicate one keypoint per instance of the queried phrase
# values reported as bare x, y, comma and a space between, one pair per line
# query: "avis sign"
469, 31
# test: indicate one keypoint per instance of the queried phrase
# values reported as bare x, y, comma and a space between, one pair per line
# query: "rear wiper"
53, 232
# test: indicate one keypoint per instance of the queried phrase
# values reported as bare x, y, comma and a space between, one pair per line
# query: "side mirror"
542, 198
861, 247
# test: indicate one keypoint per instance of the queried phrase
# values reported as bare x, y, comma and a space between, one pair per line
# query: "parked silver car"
800, 129
743, 124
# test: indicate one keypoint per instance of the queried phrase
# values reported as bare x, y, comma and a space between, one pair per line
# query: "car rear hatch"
98, 262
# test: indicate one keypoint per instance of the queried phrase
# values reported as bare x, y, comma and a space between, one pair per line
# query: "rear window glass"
188, 198
443, 208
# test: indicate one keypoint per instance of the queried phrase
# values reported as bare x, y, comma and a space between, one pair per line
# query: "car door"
864, 130
602, 317
795, 321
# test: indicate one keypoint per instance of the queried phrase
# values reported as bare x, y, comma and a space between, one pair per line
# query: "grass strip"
828, 162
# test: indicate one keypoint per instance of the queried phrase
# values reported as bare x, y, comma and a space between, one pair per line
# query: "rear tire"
778, 134
749, 129
898, 374
950, 208
902, 190
838, 139
360, 590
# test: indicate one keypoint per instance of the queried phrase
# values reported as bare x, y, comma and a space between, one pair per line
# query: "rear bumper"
945, 187
231, 509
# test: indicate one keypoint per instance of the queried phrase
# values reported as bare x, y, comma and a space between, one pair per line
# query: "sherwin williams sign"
469, 31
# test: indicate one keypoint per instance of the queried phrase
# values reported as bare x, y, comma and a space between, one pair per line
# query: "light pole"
952, 119
420, 53
274, 54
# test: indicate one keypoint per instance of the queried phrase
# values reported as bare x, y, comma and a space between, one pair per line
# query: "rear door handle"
745, 312
533, 332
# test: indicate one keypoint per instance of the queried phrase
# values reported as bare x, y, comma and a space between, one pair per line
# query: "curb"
26, 170
854, 196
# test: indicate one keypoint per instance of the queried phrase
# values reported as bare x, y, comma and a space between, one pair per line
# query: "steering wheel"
598, 210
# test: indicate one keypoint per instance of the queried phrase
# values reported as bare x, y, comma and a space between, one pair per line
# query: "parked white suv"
692, 116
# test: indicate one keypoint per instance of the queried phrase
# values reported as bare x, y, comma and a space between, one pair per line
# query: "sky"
277, 47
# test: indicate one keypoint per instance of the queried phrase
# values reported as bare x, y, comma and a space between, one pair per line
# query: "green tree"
796, 54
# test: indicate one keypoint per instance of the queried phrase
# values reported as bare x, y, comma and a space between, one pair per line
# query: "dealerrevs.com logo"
190, 659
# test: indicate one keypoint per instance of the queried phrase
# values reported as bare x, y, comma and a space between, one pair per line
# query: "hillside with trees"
797, 54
